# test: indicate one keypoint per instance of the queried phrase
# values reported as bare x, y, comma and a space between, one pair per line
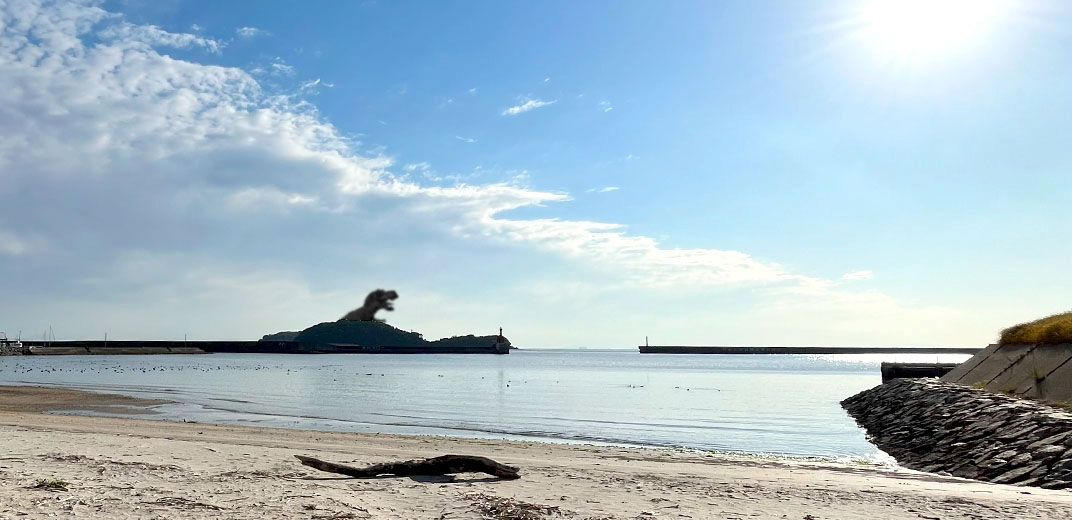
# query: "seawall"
936, 426
1034, 371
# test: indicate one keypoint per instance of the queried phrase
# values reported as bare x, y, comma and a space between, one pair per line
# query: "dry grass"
1051, 330
499, 508
51, 485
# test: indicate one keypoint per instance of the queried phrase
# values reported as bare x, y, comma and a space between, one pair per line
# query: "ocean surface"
764, 404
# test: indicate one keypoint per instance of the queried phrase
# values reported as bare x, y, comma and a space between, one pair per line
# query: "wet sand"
137, 468
46, 399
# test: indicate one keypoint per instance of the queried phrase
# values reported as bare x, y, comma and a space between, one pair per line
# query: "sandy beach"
139, 468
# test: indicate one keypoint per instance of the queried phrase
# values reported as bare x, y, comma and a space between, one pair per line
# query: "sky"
579, 173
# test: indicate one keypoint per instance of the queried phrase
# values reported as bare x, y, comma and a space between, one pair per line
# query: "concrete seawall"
1033, 371
936, 426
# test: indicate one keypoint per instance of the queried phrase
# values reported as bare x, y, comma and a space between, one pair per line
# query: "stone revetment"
941, 427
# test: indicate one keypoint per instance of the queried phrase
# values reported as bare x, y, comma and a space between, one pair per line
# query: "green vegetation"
1051, 330
380, 333
466, 341
51, 485
360, 333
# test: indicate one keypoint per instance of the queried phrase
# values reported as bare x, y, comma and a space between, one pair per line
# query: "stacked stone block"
940, 427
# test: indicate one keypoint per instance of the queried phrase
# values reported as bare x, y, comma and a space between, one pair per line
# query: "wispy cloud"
472, 91
282, 69
312, 86
126, 34
12, 244
427, 173
526, 105
250, 32
858, 275
605, 106
465, 139
420, 166
605, 189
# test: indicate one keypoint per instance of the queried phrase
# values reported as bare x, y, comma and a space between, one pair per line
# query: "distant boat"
10, 346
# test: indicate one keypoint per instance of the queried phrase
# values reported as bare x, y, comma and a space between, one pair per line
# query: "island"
358, 332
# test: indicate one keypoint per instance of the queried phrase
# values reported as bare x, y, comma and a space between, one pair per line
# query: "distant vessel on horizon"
11, 346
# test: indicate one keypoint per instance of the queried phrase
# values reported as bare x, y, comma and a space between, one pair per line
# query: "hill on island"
360, 333
374, 333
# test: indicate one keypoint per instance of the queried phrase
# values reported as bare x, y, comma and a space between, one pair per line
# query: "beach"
131, 467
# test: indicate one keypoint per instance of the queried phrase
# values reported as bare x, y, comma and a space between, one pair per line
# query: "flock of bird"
22, 365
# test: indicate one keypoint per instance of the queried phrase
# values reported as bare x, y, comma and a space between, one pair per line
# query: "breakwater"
936, 426
101, 347
892, 371
682, 349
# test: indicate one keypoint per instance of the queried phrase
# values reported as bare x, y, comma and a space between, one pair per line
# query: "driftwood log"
442, 465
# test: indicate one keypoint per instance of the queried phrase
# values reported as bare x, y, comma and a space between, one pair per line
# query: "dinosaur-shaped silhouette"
375, 301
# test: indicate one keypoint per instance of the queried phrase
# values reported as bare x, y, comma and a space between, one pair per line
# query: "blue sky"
583, 174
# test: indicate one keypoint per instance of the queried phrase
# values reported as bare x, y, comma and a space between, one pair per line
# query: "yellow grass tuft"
1050, 330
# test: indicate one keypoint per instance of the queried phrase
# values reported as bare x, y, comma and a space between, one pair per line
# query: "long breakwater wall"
101, 347
684, 349
937, 426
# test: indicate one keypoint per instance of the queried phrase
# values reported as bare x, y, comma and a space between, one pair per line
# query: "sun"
919, 29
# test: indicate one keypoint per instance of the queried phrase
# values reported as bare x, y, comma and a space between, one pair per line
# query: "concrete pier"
682, 349
892, 371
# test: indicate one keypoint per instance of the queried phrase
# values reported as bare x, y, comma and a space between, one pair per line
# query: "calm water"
783, 404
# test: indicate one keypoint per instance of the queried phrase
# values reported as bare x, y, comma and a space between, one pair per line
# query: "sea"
769, 405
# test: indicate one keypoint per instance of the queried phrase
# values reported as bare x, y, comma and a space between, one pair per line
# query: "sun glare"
916, 29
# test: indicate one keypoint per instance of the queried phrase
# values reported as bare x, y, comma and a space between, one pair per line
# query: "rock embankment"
935, 426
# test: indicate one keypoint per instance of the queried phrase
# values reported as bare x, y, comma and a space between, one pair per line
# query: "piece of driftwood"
442, 465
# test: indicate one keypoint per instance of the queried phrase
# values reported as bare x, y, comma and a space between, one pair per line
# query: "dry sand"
137, 468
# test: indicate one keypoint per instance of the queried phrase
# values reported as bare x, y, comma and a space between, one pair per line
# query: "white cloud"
250, 32
465, 139
472, 91
605, 106
526, 105
121, 152
266, 198
13, 245
128, 35
858, 275
282, 69
313, 86
604, 189
422, 166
